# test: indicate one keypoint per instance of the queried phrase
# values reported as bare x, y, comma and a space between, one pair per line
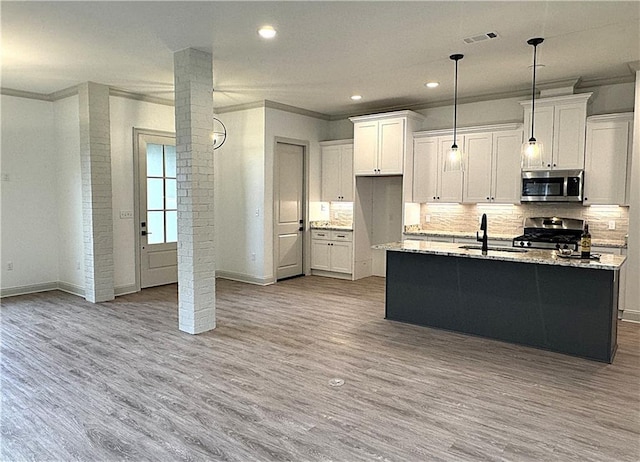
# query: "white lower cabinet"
332, 252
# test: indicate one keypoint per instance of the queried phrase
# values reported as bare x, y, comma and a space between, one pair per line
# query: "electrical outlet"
6, 177
612, 224
427, 218
9, 266
253, 256
257, 212
126, 213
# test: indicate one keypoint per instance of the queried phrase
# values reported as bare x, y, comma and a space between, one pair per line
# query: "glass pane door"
162, 206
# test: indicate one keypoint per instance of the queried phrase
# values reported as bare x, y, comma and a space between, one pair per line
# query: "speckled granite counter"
330, 226
534, 298
544, 257
501, 237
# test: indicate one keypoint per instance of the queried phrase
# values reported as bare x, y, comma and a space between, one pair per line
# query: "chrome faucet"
483, 239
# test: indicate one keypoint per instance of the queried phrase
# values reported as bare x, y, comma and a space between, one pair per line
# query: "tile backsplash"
509, 219
332, 213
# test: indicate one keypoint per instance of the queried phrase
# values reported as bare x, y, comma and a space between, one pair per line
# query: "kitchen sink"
493, 249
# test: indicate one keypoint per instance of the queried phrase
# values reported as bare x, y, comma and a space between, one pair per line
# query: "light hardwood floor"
118, 381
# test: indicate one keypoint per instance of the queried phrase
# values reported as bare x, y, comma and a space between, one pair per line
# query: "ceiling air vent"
481, 37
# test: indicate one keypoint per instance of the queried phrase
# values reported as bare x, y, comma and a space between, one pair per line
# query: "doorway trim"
306, 244
137, 132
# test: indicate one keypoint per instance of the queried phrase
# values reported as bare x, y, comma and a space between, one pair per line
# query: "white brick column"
97, 217
193, 71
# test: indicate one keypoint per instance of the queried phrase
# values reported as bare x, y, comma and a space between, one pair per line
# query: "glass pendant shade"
219, 135
453, 160
532, 154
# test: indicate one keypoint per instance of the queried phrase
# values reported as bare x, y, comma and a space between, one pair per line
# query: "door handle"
301, 228
145, 233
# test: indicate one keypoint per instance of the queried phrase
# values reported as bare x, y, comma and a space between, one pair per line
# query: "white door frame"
306, 249
137, 132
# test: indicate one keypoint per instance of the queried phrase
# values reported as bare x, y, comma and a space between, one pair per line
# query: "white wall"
298, 127
606, 99
239, 194
632, 295
69, 192
28, 223
127, 114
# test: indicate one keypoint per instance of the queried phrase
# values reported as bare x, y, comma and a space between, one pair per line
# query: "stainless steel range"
550, 233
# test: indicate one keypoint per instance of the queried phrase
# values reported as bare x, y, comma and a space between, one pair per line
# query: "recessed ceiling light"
267, 32
356, 97
431, 84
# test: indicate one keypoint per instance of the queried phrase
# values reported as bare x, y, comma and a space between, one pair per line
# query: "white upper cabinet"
478, 152
430, 182
506, 179
337, 170
380, 142
492, 165
607, 158
560, 124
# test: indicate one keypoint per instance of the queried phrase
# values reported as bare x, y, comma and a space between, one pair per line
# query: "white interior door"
289, 196
158, 208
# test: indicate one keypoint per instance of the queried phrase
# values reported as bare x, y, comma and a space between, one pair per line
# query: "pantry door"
158, 210
289, 210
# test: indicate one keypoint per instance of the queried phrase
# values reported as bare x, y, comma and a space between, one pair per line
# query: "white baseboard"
332, 274
60, 285
30, 289
630, 315
240, 277
124, 290
71, 288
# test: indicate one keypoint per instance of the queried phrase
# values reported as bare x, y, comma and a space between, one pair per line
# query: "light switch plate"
612, 224
126, 214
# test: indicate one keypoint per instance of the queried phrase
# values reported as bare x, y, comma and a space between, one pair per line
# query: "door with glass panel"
158, 210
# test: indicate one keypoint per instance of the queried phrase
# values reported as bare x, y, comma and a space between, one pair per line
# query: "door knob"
301, 228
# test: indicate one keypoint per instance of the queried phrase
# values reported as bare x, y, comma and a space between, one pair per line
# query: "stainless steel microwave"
552, 185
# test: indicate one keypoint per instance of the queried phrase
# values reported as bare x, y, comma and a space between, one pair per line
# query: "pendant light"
453, 160
532, 152
219, 135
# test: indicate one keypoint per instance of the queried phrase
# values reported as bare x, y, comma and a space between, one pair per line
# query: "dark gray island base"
564, 308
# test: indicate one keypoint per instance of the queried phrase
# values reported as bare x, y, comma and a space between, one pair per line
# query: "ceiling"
324, 51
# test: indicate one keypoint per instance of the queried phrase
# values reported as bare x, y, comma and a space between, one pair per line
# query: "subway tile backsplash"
509, 219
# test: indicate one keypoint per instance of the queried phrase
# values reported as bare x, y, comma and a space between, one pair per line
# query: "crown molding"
469, 130
65, 93
295, 110
24, 94
140, 97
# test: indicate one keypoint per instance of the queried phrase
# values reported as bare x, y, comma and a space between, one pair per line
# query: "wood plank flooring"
118, 381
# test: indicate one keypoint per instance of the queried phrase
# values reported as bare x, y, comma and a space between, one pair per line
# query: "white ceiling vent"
481, 37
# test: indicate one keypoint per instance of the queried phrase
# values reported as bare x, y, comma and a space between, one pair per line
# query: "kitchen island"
533, 297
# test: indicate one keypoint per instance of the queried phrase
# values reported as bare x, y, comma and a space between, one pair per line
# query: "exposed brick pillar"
193, 71
97, 216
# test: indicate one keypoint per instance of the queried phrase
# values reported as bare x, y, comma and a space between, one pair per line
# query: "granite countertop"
504, 237
544, 257
330, 226
498, 237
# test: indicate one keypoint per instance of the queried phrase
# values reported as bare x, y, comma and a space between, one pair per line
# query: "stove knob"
521, 243
565, 246
557, 246
528, 244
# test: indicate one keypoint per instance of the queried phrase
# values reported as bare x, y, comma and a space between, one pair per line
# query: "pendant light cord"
533, 91
534, 42
455, 105
455, 58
